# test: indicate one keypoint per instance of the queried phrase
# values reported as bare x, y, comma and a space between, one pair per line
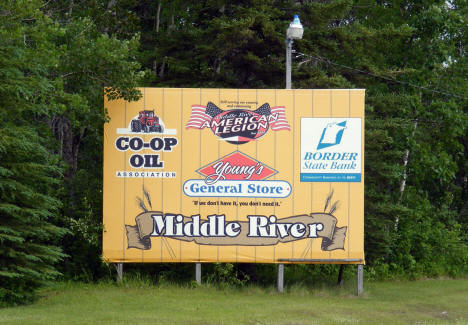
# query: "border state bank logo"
331, 135
331, 149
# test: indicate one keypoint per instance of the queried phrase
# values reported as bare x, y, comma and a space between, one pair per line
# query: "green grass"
138, 302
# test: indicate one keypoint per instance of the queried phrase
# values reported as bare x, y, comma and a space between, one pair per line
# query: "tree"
91, 59
28, 209
52, 77
30, 175
213, 43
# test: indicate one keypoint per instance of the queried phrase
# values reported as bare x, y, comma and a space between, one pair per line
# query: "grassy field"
419, 302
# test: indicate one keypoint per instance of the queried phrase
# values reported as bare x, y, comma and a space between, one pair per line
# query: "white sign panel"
331, 150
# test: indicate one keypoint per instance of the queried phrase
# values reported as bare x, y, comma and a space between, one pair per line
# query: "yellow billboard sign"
235, 175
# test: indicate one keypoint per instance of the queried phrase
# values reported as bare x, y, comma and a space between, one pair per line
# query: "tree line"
57, 58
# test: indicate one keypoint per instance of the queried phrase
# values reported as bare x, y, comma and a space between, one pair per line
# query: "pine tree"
28, 208
29, 175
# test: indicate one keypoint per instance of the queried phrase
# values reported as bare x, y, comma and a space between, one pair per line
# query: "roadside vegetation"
142, 302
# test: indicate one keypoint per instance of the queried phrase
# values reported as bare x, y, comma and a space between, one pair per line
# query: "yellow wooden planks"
201, 147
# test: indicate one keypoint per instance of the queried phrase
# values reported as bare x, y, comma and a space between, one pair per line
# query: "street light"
294, 31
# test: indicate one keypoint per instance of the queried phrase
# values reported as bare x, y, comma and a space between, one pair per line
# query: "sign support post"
198, 272
360, 279
280, 277
119, 268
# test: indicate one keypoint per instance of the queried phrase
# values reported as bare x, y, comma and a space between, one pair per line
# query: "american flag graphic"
198, 117
281, 123
202, 114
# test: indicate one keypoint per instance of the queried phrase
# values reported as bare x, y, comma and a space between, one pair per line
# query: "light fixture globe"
295, 29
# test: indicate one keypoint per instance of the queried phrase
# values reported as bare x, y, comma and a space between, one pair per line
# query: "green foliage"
52, 76
29, 174
28, 208
225, 274
91, 59
214, 43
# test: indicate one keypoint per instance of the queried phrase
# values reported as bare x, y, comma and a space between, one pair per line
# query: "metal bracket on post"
280, 277
198, 273
360, 279
119, 269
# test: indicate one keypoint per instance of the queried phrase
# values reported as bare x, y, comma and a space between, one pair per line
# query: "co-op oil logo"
144, 138
236, 175
238, 126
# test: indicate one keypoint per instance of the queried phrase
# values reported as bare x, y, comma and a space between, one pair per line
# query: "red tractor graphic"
147, 122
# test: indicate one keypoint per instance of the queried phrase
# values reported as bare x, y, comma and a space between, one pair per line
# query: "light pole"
294, 31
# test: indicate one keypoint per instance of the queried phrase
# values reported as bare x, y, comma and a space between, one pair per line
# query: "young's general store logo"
236, 175
238, 126
235, 166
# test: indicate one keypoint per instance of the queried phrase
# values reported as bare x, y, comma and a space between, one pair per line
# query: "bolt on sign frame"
235, 175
